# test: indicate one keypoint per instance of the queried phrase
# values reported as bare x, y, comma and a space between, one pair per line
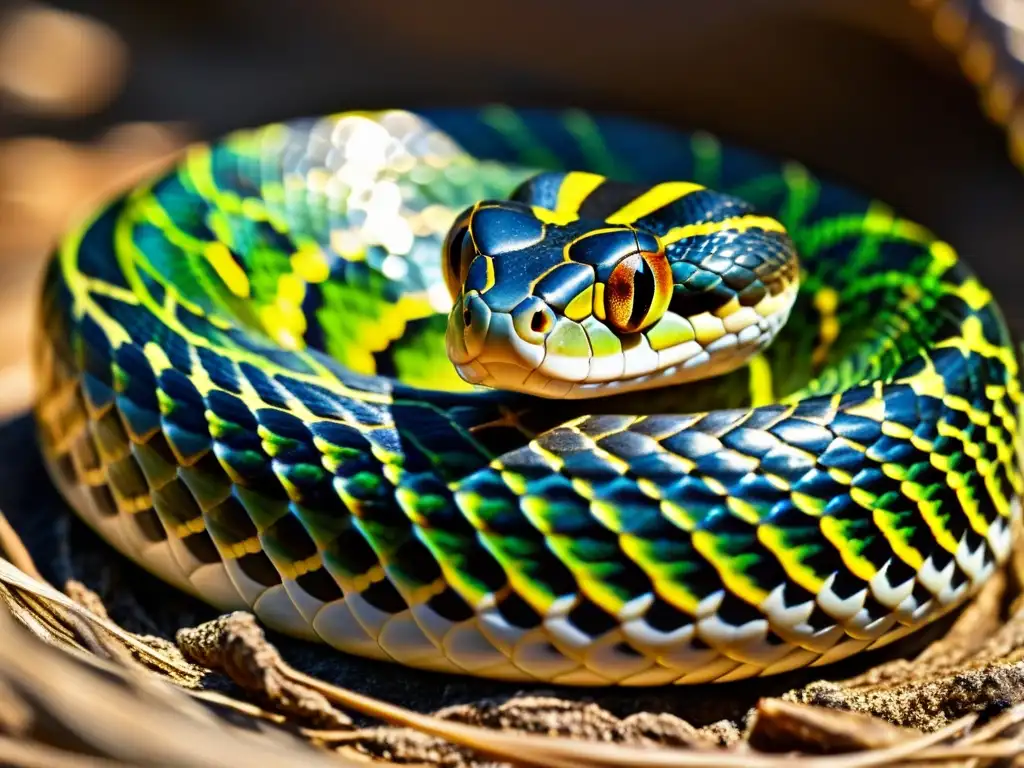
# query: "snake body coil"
245, 389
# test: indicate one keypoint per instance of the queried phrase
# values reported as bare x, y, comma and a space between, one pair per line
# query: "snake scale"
246, 387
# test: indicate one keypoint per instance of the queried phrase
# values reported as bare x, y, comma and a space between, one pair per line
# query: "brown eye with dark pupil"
638, 291
643, 293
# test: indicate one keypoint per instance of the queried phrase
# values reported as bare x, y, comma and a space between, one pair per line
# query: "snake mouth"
538, 382
505, 361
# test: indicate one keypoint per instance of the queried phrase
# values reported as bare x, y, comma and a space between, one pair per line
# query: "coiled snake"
248, 388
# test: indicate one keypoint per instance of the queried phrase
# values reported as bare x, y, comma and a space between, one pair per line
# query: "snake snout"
498, 348
468, 324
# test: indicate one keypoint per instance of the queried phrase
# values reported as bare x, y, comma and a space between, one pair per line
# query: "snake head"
550, 303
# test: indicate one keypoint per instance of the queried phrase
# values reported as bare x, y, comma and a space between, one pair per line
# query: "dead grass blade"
14, 578
109, 714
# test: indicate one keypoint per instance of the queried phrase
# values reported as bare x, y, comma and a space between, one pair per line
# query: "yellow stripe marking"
548, 216
157, 357
310, 265
102, 288
826, 301
737, 582
761, 388
599, 312
773, 539
738, 223
575, 188
872, 408
581, 306
974, 294
937, 524
677, 515
654, 198
887, 523
515, 482
744, 510
227, 269
833, 530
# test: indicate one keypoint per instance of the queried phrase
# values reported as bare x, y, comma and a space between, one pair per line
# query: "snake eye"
458, 253
638, 291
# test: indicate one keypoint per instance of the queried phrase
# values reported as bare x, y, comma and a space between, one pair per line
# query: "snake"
536, 395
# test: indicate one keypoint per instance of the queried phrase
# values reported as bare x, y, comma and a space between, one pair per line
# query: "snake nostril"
467, 317
540, 322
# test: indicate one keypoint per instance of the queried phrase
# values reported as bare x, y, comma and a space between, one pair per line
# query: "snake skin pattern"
244, 389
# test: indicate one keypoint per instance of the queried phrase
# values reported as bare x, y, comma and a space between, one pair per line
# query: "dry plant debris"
235, 645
